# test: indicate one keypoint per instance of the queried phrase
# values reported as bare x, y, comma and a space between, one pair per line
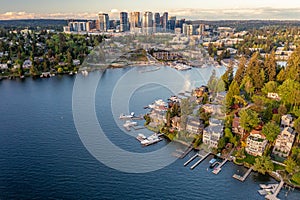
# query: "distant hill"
241, 25
35, 24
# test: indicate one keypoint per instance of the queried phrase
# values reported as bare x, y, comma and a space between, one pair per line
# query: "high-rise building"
164, 21
135, 20
179, 23
156, 23
103, 22
187, 29
147, 22
124, 22
171, 23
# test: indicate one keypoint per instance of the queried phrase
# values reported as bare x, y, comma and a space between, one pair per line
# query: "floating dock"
243, 178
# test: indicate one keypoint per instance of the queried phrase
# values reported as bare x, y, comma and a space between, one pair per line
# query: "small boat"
84, 73
122, 116
141, 137
151, 140
212, 161
130, 123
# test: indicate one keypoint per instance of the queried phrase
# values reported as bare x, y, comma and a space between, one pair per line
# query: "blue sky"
193, 9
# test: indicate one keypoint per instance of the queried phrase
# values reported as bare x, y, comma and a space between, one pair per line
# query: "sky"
188, 9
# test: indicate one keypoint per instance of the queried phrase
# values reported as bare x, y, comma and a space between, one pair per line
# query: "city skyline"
189, 9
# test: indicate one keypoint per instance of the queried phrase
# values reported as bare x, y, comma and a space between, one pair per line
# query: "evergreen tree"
232, 91
227, 77
239, 75
270, 66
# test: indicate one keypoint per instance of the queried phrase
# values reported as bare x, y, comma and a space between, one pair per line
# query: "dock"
276, 192
199, 161
219, 167
243, 178
191, 159
187, 151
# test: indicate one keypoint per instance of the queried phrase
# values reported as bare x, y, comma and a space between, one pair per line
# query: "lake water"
42, 155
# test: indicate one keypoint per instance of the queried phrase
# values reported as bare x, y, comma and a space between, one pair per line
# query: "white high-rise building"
147, 22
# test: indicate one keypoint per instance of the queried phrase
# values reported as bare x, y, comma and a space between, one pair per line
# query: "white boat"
84, 72
141, 137
130, 123
122, 116
151, 140
182, 67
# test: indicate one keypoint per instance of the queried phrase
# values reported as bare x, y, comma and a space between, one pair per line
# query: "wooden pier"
199, 161
187, 151
219, 167
243, 178
191, 159
276, 192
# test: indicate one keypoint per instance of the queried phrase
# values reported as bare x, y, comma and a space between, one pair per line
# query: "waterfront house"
215, 110
286, 120
284, 142
175, 122
213, 133
76, 62
158, 113
198, 92
27, 64
194, 125
236, 127
256, 143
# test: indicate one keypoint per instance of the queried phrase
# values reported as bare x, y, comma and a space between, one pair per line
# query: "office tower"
179, 23
187, 29
124, 22
135, 20
156, 23
201, 29
171, 23
164, 21
103, 22
147, 22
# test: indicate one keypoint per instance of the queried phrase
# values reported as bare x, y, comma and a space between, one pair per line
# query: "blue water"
42, 156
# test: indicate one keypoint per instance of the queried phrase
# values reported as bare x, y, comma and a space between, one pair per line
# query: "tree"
232, 91
297, 129
271, 131
248, 85
241, 70
282, 110
289, 92
254, 70
270, 86
293, 67
263, 164
291, 166
227, 77
212, 82
270, 65
281, 76
221, 143
248, 119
